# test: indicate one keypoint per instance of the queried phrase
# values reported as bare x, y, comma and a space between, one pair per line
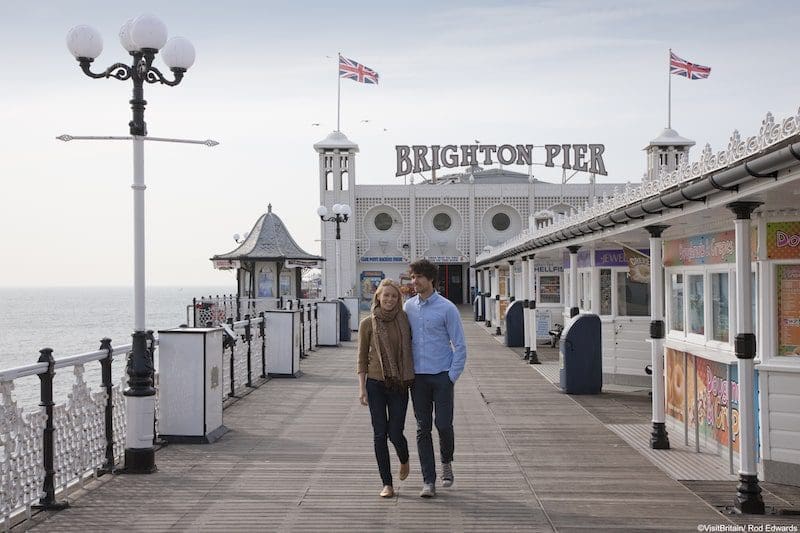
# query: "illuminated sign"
421, 158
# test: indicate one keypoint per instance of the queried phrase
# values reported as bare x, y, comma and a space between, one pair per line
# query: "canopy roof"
269, 240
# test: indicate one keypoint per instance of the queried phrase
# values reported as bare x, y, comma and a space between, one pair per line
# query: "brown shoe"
404, 468
387, 492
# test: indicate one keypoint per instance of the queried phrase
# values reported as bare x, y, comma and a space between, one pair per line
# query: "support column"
479, 293
488, 300
533, 358
511, 289
659, 440
496, 302
573, 280
748, 492
525, 299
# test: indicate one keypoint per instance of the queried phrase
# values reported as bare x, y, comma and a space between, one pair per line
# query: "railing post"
194, 312
249, 338
262, 331
238, 308
108, 385
316, 323
233, 355
302, 330
46, 395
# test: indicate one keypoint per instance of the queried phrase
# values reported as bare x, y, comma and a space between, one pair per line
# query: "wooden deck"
299, 458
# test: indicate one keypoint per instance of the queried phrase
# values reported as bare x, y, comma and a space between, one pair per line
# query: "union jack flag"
681, 67
355, 71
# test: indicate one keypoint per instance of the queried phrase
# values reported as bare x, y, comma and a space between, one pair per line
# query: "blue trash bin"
581, 356
344, 322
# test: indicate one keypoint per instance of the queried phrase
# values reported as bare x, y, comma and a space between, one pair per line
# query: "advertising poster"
550, 289
713, 402
266, 282
285, 283
503, 305
676, 384
783, 240
711, 249
638, 265
788, 285
370, 279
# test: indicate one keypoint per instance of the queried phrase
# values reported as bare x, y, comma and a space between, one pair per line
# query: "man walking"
439, 355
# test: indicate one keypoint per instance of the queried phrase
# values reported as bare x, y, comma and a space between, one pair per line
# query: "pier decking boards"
299, 457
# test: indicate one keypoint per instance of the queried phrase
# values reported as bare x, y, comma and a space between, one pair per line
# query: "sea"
73, 320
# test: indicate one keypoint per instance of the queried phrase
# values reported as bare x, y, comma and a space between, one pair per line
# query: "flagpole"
669, 89
338, 92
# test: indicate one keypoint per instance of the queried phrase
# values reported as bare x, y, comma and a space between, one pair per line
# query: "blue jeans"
431, 390
388, 411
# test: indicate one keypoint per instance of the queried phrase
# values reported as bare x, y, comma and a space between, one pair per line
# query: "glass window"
442, 221
550, 289
633, 298
383, 221
676, 307
720, 318
501, 222
696, 307
605, 291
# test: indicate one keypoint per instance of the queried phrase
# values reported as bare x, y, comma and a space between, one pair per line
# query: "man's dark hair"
423, 267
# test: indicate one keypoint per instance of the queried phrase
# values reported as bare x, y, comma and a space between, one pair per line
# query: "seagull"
365, 120
477, 141
315, 124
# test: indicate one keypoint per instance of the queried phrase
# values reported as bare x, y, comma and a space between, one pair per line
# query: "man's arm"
455, 331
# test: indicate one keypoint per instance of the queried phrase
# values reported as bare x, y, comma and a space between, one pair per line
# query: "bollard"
108, 385
48, 501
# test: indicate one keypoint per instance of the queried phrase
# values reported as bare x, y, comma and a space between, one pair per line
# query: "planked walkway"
299, 458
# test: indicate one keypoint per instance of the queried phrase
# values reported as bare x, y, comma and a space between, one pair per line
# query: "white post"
525, 300
338, 267
497, 299
139, 403
748, 493
487, 291
659, 440
534, 357
573, 280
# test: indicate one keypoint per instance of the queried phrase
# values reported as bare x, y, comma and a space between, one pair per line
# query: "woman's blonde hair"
381, 286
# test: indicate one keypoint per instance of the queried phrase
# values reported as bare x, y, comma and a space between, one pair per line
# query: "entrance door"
450, 283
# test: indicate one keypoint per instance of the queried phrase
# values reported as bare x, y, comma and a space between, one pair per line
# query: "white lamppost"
341, 213
143, 38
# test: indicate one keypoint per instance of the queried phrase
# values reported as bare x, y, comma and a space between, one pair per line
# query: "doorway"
451, 282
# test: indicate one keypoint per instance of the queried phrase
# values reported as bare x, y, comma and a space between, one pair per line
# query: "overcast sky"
450, 72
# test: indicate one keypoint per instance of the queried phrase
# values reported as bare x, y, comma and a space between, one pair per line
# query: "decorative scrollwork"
119, 71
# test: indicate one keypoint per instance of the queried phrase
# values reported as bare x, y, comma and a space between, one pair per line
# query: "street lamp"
341, 213
143, 37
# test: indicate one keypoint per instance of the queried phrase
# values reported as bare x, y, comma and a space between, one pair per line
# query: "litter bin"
328, 323
190, 385
580, 356
344, 322
515, 325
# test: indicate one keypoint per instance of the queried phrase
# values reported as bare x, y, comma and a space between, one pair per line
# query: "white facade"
449, 220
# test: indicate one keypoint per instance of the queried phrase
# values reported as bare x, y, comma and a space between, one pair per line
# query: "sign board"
710, 249
302, 263
382, 259
420, 158
226, 264
783, 240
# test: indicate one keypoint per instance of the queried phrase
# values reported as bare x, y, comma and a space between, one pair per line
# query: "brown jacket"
368, 360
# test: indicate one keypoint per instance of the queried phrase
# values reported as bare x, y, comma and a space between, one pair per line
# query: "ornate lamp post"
341, 213
143, 38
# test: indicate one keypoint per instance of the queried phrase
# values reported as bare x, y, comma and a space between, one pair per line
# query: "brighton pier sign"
421, 158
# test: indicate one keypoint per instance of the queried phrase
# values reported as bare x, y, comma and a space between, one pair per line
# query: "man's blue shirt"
437, 336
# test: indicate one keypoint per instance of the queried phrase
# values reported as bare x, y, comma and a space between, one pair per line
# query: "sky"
531, 72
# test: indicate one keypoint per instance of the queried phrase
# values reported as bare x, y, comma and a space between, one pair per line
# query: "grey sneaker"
447, 474
428, 490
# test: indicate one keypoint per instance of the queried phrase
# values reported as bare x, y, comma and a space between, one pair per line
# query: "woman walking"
385, 373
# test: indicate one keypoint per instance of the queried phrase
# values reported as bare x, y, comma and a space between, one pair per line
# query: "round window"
501, 222
442, 221
383, 221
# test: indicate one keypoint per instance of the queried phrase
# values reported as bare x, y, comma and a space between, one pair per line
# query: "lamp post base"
140, 461
748, 496
659, 440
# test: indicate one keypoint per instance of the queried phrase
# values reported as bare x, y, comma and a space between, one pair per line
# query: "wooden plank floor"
299, 458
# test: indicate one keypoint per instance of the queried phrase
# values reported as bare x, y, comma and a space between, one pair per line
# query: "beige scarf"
397, 363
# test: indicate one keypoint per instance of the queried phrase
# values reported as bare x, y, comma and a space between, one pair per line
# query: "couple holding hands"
419, 347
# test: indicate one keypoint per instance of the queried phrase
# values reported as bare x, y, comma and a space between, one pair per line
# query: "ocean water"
73, 320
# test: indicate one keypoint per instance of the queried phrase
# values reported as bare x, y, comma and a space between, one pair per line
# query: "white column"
659, 440
496, 302
573, 280
533, 358
748, 493
525, 299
